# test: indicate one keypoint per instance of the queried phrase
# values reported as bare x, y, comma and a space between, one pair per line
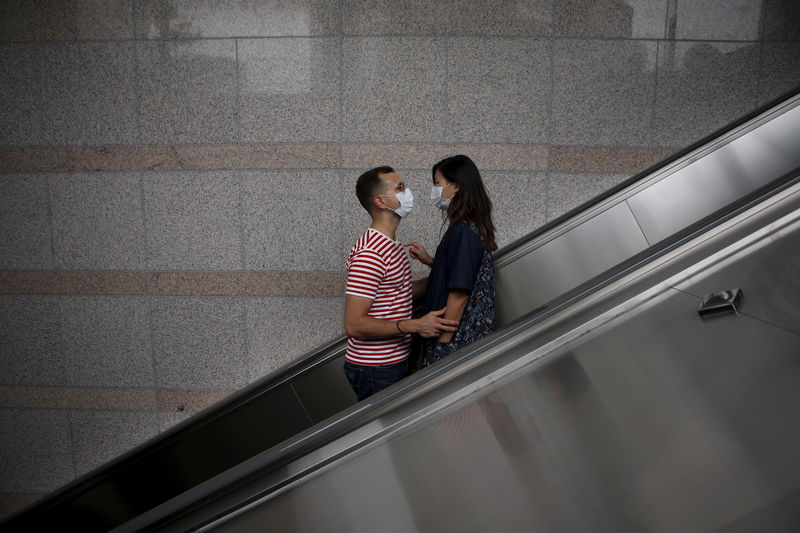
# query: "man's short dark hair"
369, 185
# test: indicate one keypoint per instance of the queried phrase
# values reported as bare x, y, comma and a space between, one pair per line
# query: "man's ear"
377, 202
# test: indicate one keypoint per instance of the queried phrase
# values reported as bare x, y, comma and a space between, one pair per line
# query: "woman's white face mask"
436, 197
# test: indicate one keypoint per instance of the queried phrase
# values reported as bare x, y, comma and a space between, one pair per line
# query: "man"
378, 297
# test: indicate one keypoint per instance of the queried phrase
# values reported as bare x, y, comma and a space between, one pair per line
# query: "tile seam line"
321, 143
117, 388
103, 409
168, 271
181, 296
395, 36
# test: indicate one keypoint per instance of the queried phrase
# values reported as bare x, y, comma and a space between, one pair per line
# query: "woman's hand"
418, 252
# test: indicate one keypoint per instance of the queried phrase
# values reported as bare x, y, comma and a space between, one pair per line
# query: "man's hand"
418, 252
433, 325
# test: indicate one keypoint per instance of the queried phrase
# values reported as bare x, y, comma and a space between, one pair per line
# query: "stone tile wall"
176, 176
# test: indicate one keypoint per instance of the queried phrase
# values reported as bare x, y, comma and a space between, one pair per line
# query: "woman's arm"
456, 302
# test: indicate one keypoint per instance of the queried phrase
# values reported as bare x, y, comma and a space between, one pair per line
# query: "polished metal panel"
719, 178
324, 391
653, 420
563, 263
773, 299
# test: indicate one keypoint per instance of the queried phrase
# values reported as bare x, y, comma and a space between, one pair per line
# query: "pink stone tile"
69, 159
246, 284
241, 157
413, 156
187, 400
605, 160
11, 503
78, 398
43, 282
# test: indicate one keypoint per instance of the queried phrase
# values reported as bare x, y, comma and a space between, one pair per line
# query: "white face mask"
406, 200
436, 197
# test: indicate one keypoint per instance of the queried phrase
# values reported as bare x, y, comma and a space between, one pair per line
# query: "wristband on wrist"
398, 326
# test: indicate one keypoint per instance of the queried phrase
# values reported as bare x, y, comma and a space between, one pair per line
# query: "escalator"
630, 411
259, 454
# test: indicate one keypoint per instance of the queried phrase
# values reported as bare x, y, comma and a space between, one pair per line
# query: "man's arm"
358, 324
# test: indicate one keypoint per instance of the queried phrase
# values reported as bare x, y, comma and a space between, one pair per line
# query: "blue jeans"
367, 380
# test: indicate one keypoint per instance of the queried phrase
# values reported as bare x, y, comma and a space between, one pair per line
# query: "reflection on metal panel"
324, 391
658, 420
721, 177
567, 261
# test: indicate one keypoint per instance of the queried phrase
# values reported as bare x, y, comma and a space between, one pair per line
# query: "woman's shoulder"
463, 230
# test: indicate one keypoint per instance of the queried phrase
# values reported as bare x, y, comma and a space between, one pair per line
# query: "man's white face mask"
406, 200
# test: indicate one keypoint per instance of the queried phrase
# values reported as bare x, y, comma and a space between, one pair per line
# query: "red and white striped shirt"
378, 269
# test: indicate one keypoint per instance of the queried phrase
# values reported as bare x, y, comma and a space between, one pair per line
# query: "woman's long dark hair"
470, 203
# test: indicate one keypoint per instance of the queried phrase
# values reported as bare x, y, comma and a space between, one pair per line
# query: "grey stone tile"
780, 70
99, 436
702, 87
603, 92
199, 343
85, 19
497, 90
403, 17
35, 450
292, 220
97, 220
235, 18
781, 20
20, 117
29, 343
25, 241
65, 19
289, 89
18, 21
729, 20
282, 330
610, 18
568, 190
107, 341
89, 92
192, 221
393, 89
519, 201
188, 91
168, 420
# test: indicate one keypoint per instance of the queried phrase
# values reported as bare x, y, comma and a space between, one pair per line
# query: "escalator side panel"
712, 182
562, 264
324, 391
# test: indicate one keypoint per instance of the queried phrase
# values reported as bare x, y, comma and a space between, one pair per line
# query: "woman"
462, 272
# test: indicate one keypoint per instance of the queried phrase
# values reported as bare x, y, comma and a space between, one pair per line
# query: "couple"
459, 291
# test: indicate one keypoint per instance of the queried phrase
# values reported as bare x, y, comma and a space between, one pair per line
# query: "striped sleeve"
365, 271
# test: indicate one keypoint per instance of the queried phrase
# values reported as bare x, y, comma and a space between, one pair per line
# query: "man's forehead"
391, 178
